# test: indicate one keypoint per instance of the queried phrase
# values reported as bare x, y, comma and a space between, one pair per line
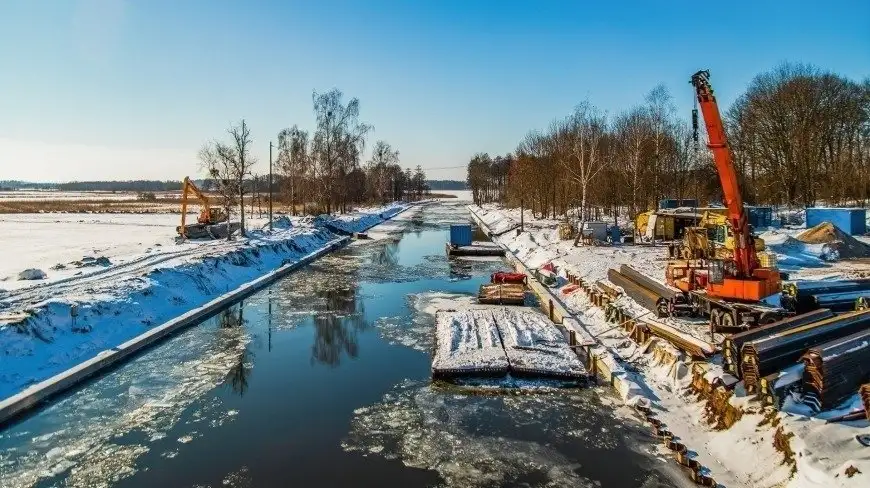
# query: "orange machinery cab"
687, 276
764, 282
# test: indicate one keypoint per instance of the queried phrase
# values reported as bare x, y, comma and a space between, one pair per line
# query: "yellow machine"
207, 215
720, 233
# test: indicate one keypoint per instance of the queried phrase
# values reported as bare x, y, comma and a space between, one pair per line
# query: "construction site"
435, 244
729, 328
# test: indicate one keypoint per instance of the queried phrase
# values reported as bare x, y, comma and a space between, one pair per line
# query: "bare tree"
241, 163
294, 163
338, 142
217, 159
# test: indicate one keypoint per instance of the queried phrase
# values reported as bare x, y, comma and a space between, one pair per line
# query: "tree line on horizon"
799, 136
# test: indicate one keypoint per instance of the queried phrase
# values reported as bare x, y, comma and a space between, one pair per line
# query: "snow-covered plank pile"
534, 347
468, 343
494, 341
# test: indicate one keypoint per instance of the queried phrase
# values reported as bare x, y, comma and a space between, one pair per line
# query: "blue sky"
121, 89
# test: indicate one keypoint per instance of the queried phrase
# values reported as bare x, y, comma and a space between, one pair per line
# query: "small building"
852, 221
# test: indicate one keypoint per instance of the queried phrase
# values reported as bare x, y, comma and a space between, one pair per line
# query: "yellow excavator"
208, 215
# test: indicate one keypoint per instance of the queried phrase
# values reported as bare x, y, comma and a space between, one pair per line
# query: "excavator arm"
189, 187
745, 257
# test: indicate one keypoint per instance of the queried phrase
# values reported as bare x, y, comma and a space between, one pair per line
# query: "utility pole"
270, 186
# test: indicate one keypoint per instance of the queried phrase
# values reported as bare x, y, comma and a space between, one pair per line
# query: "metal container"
460, 235
597, 229
760, 217
852, 221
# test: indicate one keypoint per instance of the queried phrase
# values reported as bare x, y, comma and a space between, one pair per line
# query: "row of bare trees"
319, 171
323, 171
799, 136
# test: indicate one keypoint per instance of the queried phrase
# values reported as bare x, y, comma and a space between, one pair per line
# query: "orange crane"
740, 278
207, 216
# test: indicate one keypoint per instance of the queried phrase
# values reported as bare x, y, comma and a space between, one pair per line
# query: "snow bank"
52, 326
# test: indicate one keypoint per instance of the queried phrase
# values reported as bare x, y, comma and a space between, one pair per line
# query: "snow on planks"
495, 341
468, 344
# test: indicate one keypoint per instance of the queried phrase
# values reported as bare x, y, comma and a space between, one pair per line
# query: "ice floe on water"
142, 401
416, 331
483, 440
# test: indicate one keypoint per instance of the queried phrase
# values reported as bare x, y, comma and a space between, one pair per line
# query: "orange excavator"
740, 278
207, 216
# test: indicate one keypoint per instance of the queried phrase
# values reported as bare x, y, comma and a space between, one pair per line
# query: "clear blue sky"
122, 89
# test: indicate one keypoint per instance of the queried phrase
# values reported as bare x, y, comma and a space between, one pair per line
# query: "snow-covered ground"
123, 274
54, 195
744, 454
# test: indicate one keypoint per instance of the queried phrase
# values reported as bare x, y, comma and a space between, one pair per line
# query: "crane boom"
745, 258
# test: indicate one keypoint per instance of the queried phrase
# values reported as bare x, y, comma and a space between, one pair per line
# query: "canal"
322, 379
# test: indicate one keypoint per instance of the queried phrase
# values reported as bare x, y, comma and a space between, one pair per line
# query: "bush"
147, 196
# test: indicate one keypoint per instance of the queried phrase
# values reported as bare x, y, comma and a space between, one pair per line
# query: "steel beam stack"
864, 391
804, 296
835, 369
734, 344
651, 294
768, 355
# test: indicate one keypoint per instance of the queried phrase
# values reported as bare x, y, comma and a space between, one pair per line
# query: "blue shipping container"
760, 217
852, 221
460, 234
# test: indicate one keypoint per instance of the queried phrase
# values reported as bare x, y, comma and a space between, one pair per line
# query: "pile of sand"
827, 233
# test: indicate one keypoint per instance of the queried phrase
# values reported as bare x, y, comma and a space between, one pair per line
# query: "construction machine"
715, 284
208, 215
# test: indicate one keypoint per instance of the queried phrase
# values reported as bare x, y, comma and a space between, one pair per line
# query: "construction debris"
835, 369
765, 356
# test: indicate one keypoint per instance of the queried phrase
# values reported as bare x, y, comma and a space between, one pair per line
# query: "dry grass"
781, 443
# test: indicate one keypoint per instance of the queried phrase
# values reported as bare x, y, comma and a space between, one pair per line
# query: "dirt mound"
827, 233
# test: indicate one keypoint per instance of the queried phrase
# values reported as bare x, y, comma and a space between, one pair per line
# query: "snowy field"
744, 454
55, 195
110, 278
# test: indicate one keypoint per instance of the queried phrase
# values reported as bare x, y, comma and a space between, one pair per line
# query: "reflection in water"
386, 255
337, 327
460, 269
237, 376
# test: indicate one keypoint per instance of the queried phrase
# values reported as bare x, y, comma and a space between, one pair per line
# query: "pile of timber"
840, 296
835, 369
502, 294
734, 344
651, 294
864, 392
765, 356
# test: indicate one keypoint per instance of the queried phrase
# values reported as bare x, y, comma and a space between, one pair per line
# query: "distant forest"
155, 185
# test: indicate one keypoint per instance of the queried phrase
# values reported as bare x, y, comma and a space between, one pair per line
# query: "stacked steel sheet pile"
734, 344
651, 294
839, 296
864, 391
762, 357
835, 369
